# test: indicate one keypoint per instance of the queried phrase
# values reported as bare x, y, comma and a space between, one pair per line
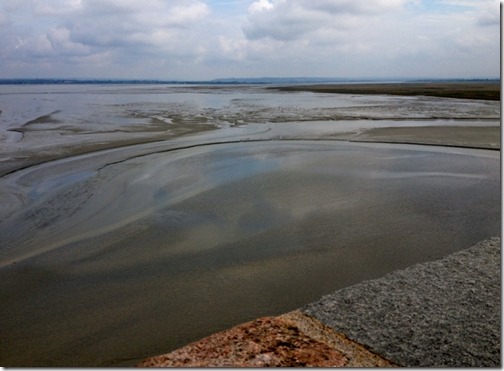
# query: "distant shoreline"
461, 90
480, 89
272, 81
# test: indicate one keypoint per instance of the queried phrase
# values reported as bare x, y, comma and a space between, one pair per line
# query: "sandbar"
462, 90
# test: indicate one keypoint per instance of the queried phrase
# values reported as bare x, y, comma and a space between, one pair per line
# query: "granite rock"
444, 313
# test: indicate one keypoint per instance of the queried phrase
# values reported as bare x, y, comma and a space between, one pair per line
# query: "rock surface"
263, 342
444, 313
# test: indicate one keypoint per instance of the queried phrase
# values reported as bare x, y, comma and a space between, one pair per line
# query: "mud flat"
107, 264
116, 254
75, 143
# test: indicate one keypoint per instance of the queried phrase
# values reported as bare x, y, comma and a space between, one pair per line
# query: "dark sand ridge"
454, 136
463, 90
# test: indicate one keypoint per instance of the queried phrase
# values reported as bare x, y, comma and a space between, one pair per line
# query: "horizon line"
232, 80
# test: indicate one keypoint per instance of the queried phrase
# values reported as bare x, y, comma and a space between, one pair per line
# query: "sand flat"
115, 248
151, 253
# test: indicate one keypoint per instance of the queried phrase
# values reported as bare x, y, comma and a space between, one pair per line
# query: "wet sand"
28, 156
48, 123
244, 230
111, 256
472, 137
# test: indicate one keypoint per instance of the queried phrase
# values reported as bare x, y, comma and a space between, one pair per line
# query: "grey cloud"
283, 29
353, 6
293, 19
12, 5
60, 42
283, 21
489, 19
87, 27
123, 23
4, 18
104, 35
148, 13
196, 39
56, 7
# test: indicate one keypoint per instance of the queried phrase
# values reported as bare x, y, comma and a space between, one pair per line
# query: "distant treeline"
226, 81
94, 81
231, 81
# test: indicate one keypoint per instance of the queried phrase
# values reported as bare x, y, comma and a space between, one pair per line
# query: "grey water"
129, 251
84, 106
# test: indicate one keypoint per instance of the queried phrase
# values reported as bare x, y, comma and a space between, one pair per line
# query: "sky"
208, 39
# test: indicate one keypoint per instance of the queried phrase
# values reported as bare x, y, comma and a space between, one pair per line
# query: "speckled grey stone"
445, 313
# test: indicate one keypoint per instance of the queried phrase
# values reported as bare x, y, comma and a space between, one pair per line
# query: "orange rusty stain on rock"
356, 354
265, 342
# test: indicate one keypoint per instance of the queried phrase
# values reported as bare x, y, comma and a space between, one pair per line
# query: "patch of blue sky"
446, 6
229, 7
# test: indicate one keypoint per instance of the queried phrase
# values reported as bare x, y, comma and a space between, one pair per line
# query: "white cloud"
61, 43
56, 7
259, 6
235, 49
197, 39
136, 23
294, 19
375, 38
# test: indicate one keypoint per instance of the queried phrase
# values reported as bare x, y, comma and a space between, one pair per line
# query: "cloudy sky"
207, 39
